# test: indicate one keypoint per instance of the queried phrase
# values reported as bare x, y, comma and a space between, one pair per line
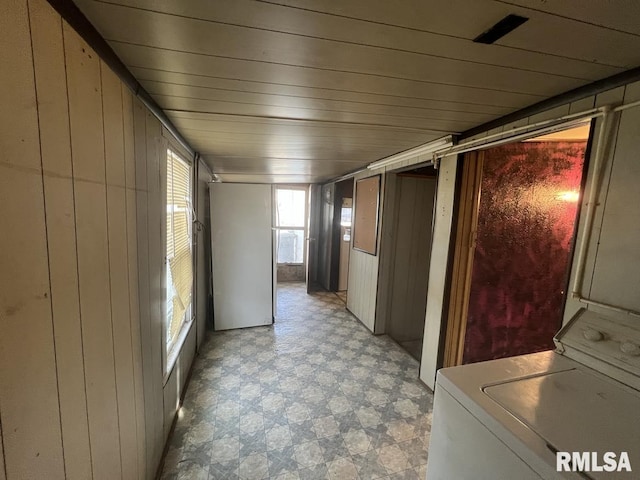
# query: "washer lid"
576, 411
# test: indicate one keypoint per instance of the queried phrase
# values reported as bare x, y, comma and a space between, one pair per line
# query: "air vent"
500, 29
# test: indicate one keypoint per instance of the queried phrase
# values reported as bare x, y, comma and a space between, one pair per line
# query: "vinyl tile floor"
315, 396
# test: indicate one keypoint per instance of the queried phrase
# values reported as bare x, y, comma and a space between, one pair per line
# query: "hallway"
316, 396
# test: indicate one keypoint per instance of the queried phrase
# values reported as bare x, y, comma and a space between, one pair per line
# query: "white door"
242, 252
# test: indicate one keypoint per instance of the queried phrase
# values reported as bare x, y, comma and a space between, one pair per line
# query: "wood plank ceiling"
306, 90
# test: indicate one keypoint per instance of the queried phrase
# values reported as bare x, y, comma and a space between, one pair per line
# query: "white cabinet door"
242, 255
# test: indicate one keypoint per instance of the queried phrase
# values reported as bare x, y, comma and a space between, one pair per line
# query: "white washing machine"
507, 418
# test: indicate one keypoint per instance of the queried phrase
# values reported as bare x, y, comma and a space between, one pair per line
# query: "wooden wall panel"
140, 148
363, 272
119, 273
132, 261
387, 253
28, 382
51, 86
87, 143
174, 388
414, 216
77, 261
326, 234
202, 244
156, 279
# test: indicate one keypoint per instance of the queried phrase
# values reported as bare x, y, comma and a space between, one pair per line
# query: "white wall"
612, 273
82, 387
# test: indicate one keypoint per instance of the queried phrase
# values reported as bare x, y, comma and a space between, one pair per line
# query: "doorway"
517, 215
291, 223
335, 235
407, 256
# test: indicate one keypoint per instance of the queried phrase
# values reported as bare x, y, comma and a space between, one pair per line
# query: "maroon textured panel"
526, 223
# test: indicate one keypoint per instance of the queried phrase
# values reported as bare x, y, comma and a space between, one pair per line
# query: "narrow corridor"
316, 396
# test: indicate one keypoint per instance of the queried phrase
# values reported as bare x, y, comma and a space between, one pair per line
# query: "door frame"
314, 213
463, 253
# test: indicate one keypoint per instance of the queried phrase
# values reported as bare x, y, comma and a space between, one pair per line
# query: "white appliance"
242, 255
507, 418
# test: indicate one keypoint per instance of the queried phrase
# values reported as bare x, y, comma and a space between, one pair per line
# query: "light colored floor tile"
314, 396
325, 426
225, 449
339, 404
253, 467
368, 417
297, 413
308, 454
251, 423
278, 437
357, 441
393, 459
200, 432
342, 469
401, 430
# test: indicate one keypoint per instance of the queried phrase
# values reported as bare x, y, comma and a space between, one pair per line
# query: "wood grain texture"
317, 53
414, 216
381, 66
140, 147
119, 273
467, 218
53, 116
156, 252
87, 143
437, 286
132, 262
72, 372
28, 382
363, 273
202, 262
387, 253
310, 22
366, 212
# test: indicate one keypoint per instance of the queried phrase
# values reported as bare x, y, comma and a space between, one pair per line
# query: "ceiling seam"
564, 17
367, 45
427, 82
302, 97
318, 109
318, 88
414, 29
307, 120
283, 32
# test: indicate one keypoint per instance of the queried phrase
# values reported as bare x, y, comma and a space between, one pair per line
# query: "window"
291, 208
179, 268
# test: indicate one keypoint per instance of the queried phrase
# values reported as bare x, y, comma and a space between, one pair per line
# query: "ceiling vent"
500, 29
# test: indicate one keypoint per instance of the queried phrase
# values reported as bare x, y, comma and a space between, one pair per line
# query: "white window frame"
172, 351
304, 229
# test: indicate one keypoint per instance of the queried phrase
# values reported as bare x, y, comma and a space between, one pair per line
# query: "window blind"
179, 254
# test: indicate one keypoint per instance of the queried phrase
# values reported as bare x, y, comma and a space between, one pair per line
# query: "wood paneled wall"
611, 273
410, 272
82, 383
362, 286
325, 234
611, 267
